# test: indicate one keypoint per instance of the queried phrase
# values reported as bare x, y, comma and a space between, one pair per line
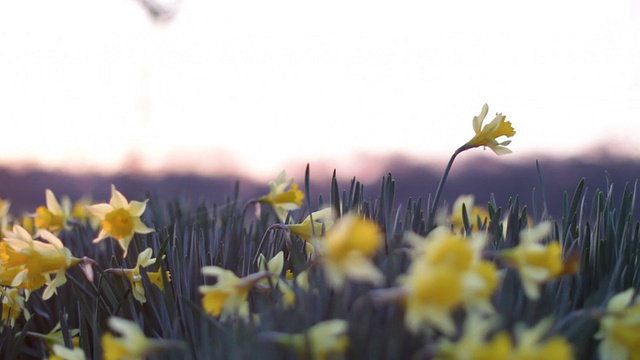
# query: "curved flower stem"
436, 198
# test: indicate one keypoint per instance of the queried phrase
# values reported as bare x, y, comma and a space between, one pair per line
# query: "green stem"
436, 198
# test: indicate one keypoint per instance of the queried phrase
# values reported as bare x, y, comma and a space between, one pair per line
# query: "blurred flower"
325, 340
487, 135
134, 276
120, 219
446, 273
322, 219
347, 249
54, 216
228, 297
281, 199
474, 213
533, 343
61, 352
29, 264
537, 263
474, 343
81, 213
12, 304
132, 345
620, 327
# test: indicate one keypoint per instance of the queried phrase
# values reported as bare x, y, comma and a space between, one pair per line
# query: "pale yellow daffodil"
447, 272
325, 340
134, 276
132, 345
120, 219
54, 216
347, 249
322, 219
282, 199
29, 264
537, 263
487, 135
228, 297
620, 327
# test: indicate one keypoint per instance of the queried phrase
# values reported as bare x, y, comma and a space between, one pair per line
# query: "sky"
261, 85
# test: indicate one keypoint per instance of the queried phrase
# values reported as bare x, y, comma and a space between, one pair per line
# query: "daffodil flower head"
135, 277
620, 327
537, 263
447, 272
347, 249
228, 297
54, 216
532, 343
473, 213
133, 344
487, 135
120, 219
324, 340
282, 198
12, 304
322, 219
474, 344
31, 263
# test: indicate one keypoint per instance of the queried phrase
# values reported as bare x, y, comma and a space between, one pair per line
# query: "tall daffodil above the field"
134, 276
484, 136
54, 216
29, 264
620, 327
347, 249
537, 263
228, 297
120, 219
488, 135
282, 198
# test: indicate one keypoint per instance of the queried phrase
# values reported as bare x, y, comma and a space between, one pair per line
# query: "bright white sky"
262, 83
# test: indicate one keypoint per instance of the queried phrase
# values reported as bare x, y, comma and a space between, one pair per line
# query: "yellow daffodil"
228, 297
473, 213
321, 219
61, 352
29, 264
12, 305
80, 213
274, 268
537, 263
347, 250
620, 327
120, 219
447, 272
474, 343
134, 276
281, 199
532, 344
54, 216
487, 135
324, 340
133, 344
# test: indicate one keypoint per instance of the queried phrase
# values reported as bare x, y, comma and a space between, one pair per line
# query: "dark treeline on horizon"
482, 178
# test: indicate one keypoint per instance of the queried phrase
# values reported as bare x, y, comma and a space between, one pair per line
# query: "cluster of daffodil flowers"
446, 292
32, 256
